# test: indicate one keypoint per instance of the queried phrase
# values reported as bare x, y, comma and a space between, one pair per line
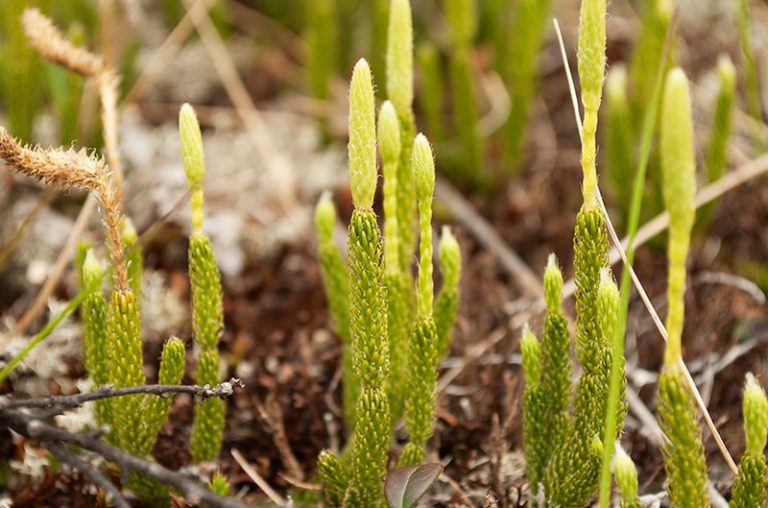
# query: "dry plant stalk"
54, 47
71, 169
74, 169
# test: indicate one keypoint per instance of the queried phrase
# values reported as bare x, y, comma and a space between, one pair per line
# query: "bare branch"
194, 492
69, 458
63, 402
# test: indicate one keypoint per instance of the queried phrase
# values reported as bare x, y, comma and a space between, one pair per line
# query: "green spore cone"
389, 147
591, 76
362, 137
423, 165
678, 166
399, 56
400, 91
193, 160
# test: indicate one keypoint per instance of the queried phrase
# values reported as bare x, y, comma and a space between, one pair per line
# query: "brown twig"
31, 426
63, 402
72, 460
257, 479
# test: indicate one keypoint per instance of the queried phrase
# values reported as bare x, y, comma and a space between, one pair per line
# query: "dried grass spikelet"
74, 169
54, 47
61, 168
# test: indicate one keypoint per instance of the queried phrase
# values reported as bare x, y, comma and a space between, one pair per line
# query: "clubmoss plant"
336, 283
626, 479
400, 92
619, 136
535, 443
751, 80
720, 131
381, 302
207, 308
379, 14
422, 353
752, 481
368, 300
431, 97
447, 300
683, 450
95, 339
321, 38
518, 64
399, 289
556, 358
572, 468
655, 22
462, 20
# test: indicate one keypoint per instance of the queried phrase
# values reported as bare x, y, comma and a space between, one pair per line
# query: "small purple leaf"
406, 485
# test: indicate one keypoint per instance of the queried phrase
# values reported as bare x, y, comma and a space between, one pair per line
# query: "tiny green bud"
92, 269
325, 216
219, 484
389, 134
531, 352
726, 71
191, 146
553, 284
423, 168
596, 446
362, 137
400, 56
626, 473
755, 415
592, 51
450, 257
